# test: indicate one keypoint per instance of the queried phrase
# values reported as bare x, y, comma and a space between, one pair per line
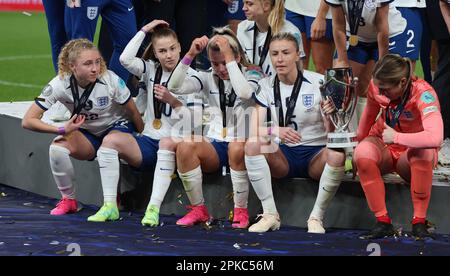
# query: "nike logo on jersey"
238, 192
392, 45
163, 169
130, 9
409, 51
213, 92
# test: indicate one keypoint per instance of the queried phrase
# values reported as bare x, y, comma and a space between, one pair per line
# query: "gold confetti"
230, 215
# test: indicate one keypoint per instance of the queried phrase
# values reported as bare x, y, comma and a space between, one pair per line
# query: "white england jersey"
146, 71
367, 31
236, 124
169, 116
104, 106
409, 3
305, 7
307, 118
245, 37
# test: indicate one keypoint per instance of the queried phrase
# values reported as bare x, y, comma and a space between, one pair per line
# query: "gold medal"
353, 40
157, 123
224, 132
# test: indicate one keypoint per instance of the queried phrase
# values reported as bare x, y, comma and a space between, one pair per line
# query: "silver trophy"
339, 86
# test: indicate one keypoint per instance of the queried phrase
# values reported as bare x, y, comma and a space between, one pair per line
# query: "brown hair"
71, 51
158, 32
392, 68
232, 40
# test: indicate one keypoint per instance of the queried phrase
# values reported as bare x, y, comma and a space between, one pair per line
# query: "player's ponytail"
71, 51
276, 17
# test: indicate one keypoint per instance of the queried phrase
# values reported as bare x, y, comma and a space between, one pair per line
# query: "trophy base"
340, 140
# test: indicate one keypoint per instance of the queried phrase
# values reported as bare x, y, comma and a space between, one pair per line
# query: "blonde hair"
158, 33
277, 14
392, 68
232, 40
289, 37
71, 51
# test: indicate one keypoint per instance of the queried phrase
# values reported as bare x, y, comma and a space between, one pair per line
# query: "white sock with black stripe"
241, 185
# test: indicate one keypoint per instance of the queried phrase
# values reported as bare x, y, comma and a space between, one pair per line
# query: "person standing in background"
313, 18
81, 22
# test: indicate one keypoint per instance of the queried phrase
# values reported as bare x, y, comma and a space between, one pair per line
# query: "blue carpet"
26, 228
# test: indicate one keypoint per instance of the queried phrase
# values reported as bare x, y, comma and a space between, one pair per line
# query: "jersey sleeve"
253, 75
121, 94
244, 84
128, 59
433, 127
49, 95
182, 83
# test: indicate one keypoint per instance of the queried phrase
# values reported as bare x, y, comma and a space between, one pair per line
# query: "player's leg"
194, 158
239, 179
164, 172
80, 146
328, 166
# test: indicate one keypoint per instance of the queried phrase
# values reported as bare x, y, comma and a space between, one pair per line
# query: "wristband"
186, 61
61, 130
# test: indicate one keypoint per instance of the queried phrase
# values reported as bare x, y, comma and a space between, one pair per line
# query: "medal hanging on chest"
158, 105
79, 103
224, 103
284, 121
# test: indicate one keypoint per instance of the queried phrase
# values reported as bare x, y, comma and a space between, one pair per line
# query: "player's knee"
421, 155
236, 154
185, 150
112, 141
335, 157
366, 150
167, 143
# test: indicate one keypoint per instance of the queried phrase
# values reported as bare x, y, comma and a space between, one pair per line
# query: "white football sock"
165, 167
259, 175
329, 183
240, 188
108, 160
62, 170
